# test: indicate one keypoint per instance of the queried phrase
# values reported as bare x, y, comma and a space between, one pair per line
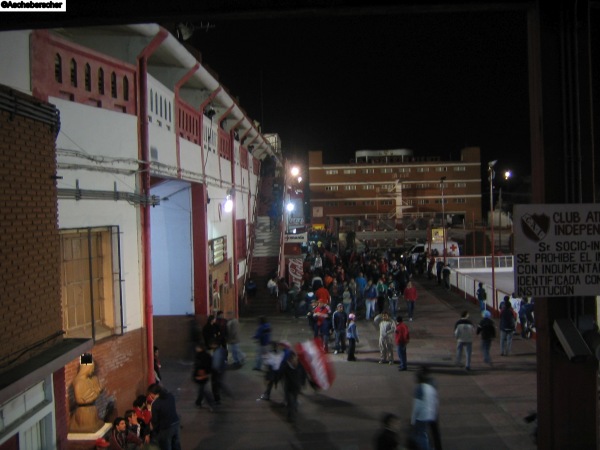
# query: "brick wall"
120, 364
29, 241
173, 336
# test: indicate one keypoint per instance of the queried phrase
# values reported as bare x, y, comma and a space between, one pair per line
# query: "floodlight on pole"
491, 165
442, 179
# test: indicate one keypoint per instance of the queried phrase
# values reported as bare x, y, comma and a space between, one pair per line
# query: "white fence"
468, 272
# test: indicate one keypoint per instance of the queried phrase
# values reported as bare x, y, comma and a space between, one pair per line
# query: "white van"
452, 249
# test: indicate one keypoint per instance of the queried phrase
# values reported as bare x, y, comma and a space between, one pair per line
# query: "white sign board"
295, 238
557, 250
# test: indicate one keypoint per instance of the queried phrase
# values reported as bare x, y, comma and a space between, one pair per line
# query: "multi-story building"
391, 189
129, 198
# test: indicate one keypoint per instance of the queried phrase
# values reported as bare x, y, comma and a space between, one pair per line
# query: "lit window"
349, 171
368, 170
368, 187
350, 187
441, 169
90, 278
422, 169
331, 188
460, 168
387, 170
460, 185
331, 172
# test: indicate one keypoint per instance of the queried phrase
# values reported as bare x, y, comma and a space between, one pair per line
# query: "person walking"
463, 331
233, 342
352, 335
507, 327
488, 332
401, 339
482, 297
386, 339
263, 338
425, 411
410, 295
202, 373
371, 299
446, 272
392, 295
322, 315
283, 290
294, 377
339, 328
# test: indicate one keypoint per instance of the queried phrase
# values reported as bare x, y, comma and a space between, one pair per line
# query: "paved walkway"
479, 409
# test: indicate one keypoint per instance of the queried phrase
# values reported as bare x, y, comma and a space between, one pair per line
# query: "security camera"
571, 340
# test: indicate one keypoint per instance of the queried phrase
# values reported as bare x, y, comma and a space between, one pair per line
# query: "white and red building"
149, 150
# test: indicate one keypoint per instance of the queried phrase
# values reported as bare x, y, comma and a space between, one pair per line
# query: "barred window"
113, 85
91, 282
101, 81
88, 78
73, 73
58, 68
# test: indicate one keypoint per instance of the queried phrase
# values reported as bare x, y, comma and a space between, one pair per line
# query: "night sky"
430, 82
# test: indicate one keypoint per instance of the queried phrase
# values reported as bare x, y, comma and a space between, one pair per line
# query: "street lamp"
507, 175
491, 165
442, 179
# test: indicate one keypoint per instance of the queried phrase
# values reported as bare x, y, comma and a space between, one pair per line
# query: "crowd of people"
152, 423
334, 295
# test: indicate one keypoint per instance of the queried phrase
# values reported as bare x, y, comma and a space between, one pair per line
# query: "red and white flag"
316, 363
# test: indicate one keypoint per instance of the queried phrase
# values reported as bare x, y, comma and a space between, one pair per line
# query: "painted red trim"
178, 85
202, 107
233, 220
199, 194
144, 150
45, 47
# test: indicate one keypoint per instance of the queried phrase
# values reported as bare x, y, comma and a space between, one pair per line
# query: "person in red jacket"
410, 295
401, 338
